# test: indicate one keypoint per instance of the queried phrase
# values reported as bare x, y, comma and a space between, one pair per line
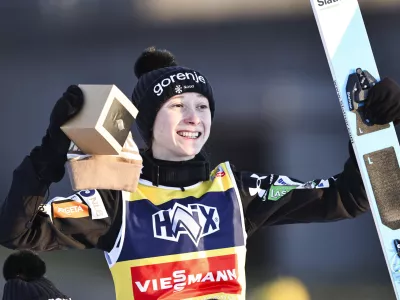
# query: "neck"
174, 173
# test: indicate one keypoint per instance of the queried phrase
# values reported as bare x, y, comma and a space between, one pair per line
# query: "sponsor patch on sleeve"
69, 209
83, 204
284, 180
278, 191
284, 185
93, 199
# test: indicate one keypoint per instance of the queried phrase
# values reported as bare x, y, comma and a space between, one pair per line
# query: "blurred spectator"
284, 288
24, 274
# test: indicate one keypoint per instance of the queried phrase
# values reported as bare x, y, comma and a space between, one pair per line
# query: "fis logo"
281, 181
196, 221
323, 184
284, 180
327, 3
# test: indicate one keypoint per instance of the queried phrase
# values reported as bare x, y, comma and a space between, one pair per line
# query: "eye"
177, 105
203, 106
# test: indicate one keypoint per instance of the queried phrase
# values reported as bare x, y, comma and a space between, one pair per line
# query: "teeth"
191, 135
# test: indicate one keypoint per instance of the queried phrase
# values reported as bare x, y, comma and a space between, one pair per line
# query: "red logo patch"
186, 279
220, 174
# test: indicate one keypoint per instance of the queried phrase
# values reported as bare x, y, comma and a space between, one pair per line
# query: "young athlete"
183, 233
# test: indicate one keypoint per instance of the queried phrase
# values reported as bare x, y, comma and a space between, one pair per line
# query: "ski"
354, 72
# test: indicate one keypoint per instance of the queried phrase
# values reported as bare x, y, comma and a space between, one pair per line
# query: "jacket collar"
174, 173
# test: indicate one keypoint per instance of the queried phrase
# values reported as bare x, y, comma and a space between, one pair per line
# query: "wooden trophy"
103, 154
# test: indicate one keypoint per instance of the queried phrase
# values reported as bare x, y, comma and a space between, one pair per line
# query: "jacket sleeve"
86, 219
277, 199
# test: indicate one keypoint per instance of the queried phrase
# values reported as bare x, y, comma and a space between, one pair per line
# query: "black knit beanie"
160, 78
24, 274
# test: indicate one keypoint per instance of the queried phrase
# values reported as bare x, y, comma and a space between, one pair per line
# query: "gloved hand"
383, 102
49, 158
65, 108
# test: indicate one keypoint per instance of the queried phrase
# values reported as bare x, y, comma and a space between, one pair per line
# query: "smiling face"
182, 127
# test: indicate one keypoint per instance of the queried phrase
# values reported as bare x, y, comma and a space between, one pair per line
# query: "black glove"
383, 103
49, 158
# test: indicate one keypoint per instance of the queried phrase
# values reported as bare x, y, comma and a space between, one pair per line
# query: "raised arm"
279, 199
86, 219
272, 199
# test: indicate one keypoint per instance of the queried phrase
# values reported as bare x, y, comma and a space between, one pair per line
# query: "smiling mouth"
189, 134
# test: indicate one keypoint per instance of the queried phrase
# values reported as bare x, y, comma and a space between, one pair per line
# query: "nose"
192, 118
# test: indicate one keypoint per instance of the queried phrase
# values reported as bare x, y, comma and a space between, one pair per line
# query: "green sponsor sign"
278, 191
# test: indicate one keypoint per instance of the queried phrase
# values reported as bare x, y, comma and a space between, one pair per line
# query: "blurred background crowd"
276, 112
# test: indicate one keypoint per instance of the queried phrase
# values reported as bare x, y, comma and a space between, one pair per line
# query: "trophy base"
104, 172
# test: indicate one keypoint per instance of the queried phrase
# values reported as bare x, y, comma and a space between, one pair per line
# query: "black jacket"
24, 223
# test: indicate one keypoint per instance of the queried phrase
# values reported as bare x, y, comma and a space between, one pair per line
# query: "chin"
189, 152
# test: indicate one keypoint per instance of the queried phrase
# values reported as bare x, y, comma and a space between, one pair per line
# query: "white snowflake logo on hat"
178, 89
